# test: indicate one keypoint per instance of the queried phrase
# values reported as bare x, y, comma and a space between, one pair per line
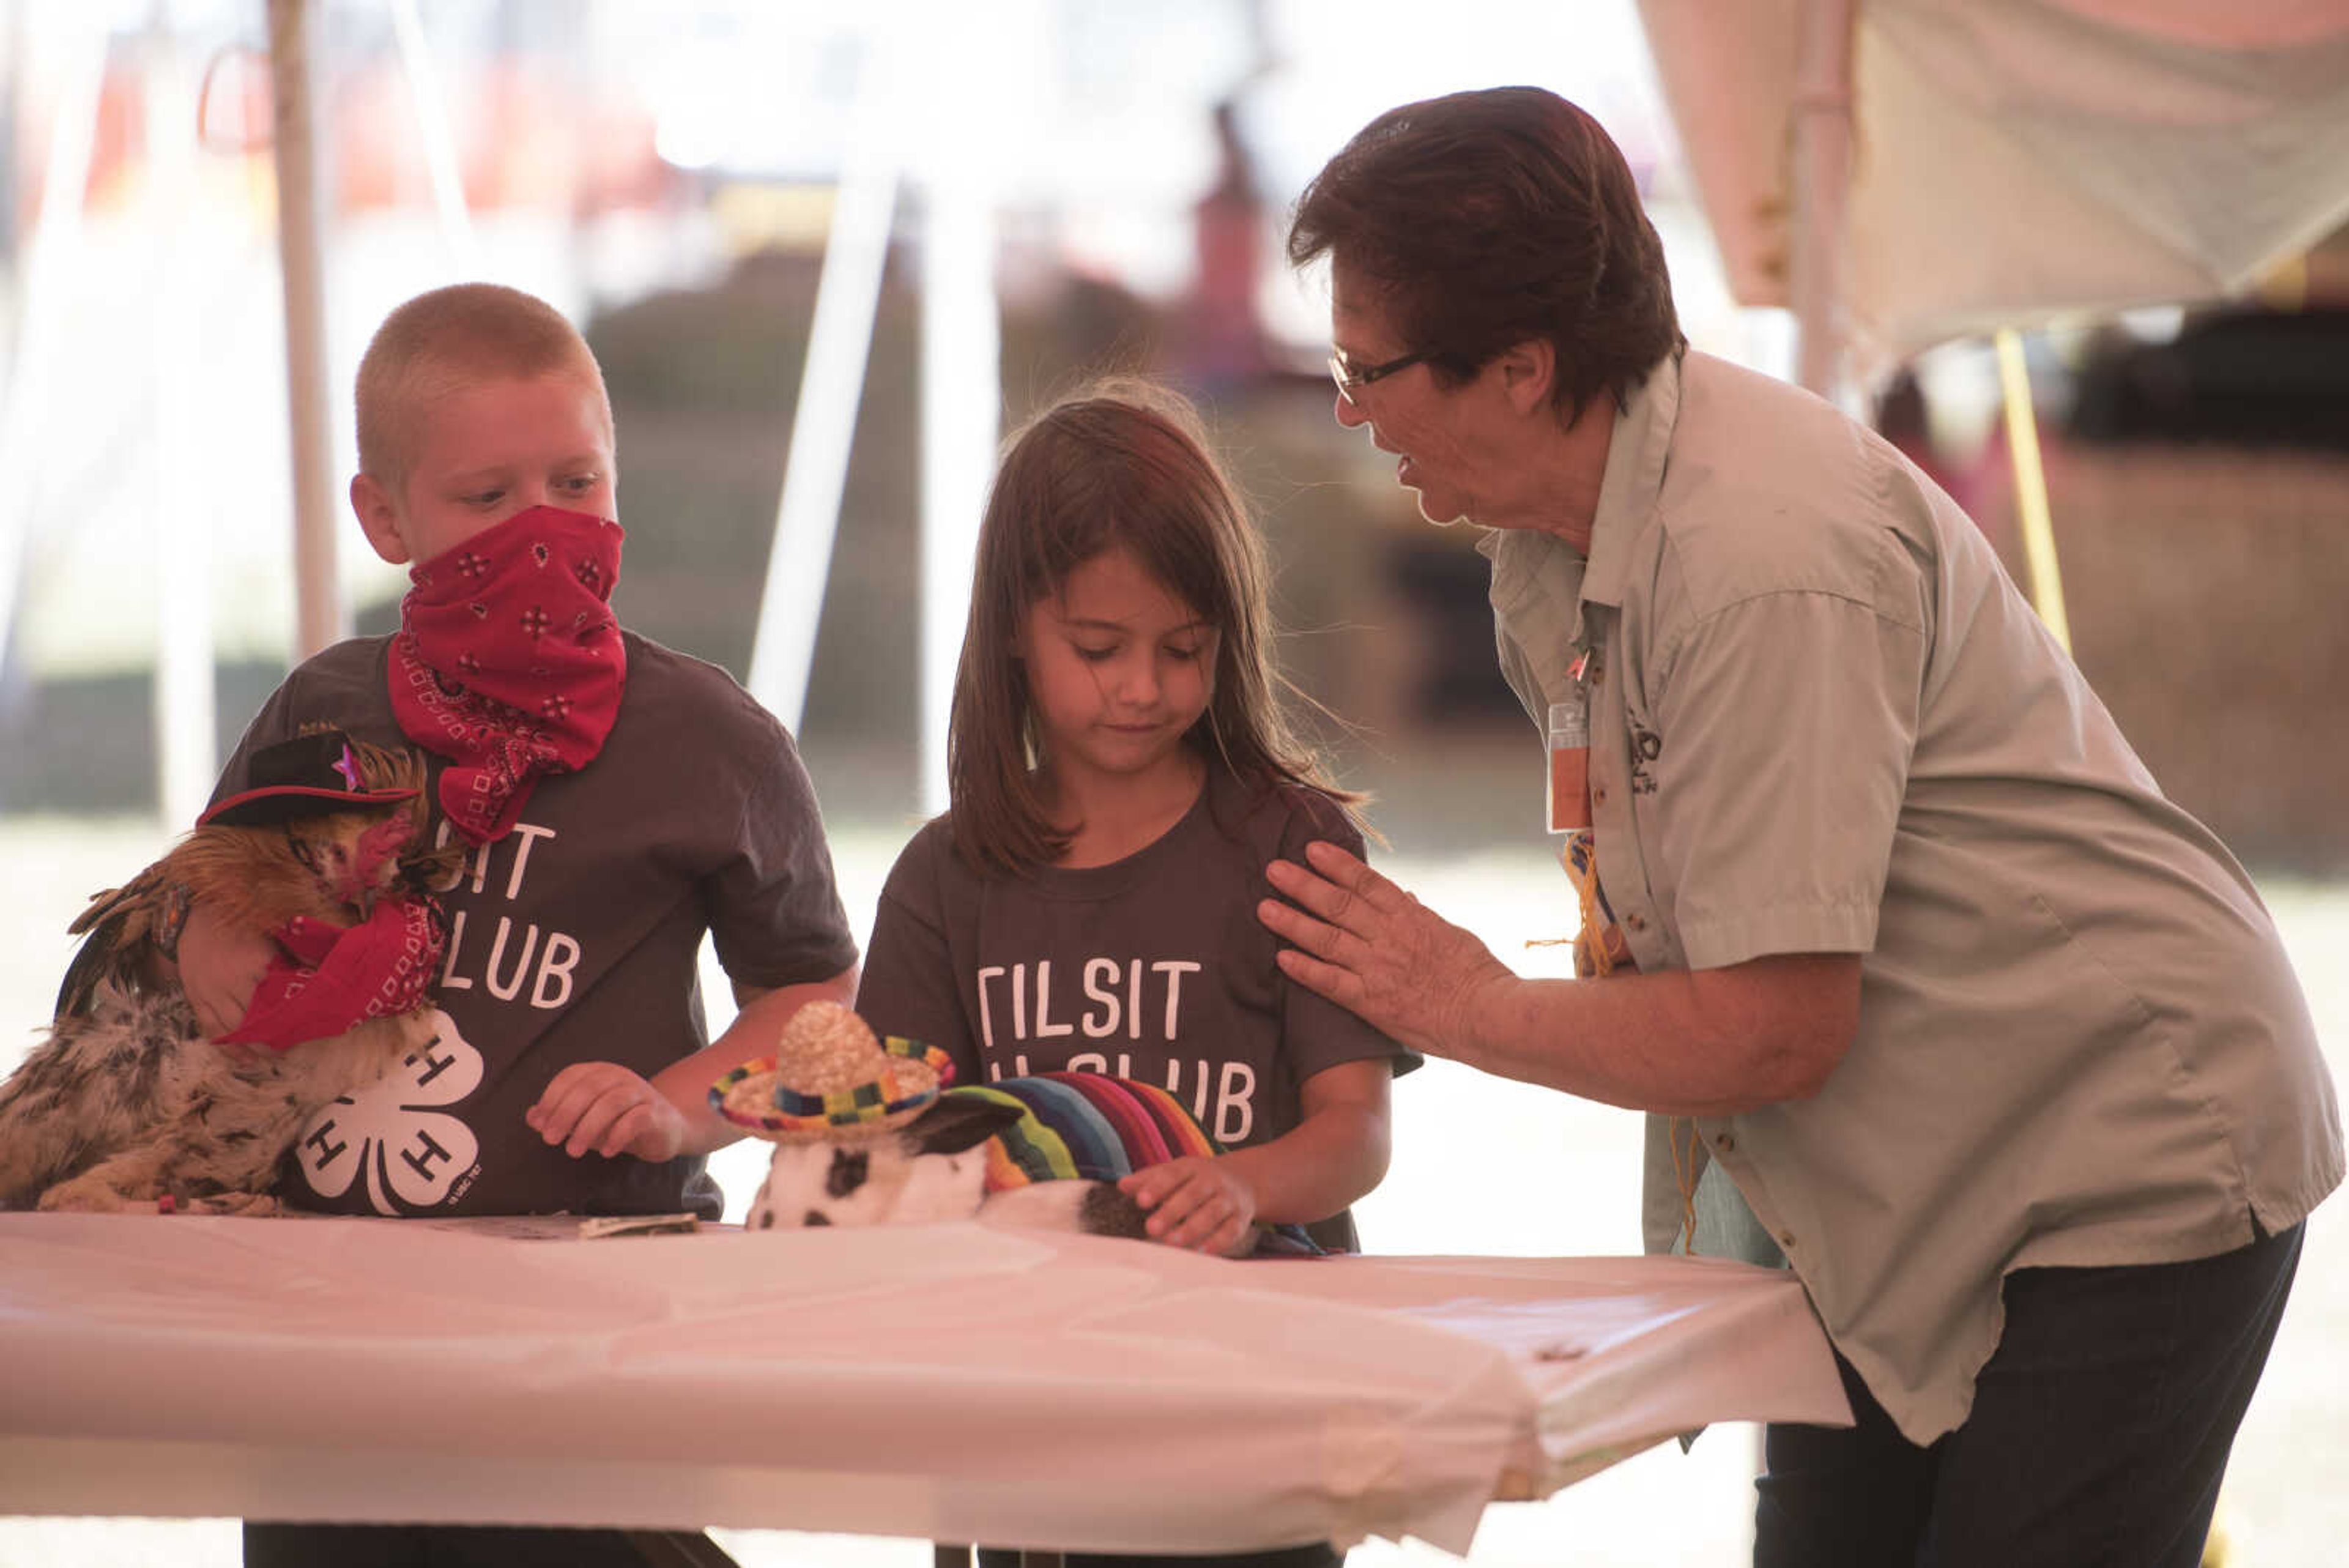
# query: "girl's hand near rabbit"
1198, 1201
1337, 1151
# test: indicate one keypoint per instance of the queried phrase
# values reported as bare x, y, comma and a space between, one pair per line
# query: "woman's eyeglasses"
1351, 378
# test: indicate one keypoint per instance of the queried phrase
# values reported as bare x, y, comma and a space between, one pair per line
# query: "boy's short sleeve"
775, 915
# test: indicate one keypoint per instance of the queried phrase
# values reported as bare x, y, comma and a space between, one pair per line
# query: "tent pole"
1822, 177
185, 650
47, 274
962, 399
439, 148
318, 610
1820, 135
832, 384
2031, 488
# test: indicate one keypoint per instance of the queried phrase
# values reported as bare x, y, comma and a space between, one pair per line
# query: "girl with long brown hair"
1119, 773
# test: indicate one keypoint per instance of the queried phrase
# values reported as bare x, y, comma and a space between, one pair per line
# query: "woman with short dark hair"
1928, 989
1485, 219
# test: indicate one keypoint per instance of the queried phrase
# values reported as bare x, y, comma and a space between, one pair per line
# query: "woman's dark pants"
2098, 1435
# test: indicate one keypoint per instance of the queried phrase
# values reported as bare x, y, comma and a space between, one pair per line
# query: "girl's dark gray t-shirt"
1155, 967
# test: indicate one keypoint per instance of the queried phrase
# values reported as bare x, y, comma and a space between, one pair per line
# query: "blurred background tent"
784, 227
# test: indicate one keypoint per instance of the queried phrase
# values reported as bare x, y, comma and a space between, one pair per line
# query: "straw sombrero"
830, 1080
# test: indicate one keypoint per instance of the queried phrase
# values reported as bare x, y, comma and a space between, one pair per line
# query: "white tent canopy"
2012, 160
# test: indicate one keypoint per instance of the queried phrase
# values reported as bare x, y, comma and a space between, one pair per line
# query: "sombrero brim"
904, 1083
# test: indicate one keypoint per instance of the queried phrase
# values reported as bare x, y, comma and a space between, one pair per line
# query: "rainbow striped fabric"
1087, 1125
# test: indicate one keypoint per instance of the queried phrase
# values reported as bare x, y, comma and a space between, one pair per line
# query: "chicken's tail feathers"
108, 953
101, 904
117, 928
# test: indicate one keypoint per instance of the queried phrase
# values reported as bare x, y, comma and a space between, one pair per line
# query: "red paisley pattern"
508, 661
331, 978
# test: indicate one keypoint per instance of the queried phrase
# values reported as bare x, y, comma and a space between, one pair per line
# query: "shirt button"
1724, 1143
1637, 923
1598, 795
1786, 1238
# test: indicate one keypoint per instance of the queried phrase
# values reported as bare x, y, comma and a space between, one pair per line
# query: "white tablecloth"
954, 1382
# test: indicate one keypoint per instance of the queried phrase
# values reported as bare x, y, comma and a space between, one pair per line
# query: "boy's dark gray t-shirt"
1153, 968
576, 937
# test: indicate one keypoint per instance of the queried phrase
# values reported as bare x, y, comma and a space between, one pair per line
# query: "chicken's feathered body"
124, 1101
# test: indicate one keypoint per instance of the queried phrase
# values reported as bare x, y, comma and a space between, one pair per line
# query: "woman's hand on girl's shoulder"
1374, 949
1197, 1203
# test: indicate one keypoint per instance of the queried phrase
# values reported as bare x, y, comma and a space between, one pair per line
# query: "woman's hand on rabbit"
1377, 951
1197, 1203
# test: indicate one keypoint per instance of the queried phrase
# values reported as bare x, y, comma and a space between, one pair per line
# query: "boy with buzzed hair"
618, 801
438, 342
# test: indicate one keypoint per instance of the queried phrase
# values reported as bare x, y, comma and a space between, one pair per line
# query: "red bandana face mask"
508, 661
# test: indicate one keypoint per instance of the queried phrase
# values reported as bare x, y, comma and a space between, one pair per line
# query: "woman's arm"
1685, 1043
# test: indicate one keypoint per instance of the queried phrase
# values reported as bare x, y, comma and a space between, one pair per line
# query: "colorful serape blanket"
1087, 1125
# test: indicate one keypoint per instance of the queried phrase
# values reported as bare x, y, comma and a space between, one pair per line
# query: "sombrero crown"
830, 1079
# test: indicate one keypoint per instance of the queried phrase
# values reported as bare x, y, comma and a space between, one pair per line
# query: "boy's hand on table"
1197, 1202
604, 1109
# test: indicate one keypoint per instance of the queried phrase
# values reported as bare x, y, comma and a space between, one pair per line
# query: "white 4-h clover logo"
409, 1152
